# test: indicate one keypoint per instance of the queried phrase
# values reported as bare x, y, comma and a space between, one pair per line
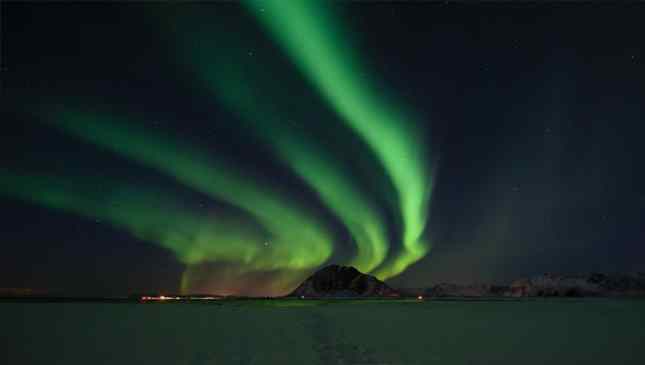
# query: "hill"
337, 281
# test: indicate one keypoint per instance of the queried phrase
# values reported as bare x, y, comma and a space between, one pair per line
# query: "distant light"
420, 297
162, 297
302, 297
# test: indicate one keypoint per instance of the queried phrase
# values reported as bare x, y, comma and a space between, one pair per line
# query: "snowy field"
301, 332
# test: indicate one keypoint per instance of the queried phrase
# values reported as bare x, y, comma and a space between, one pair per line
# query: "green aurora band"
149, 216
309, 33
306, 242
339, 194
157, 218
299, 241
238, 82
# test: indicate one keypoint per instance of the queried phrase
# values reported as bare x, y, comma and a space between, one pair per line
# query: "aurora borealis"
238, 147
298, 240
283, 219
318, 45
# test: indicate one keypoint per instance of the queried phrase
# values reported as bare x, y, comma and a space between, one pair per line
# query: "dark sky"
531, 117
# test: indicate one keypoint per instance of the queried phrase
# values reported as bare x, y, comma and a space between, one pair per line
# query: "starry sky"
234, 148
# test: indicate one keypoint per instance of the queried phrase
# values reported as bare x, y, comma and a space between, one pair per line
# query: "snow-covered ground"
559, 331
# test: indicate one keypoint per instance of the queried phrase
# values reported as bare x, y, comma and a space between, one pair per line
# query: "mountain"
595, 284
472, 290
551, 285
337, 281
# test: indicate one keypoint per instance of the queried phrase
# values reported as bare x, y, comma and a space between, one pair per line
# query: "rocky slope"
342, 282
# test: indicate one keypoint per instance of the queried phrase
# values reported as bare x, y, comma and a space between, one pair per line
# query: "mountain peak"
335, 281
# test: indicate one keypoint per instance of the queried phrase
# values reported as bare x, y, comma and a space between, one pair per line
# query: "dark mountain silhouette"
594, 284
551, 285
342, 282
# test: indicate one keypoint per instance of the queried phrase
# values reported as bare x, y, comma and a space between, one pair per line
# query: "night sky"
236, 148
